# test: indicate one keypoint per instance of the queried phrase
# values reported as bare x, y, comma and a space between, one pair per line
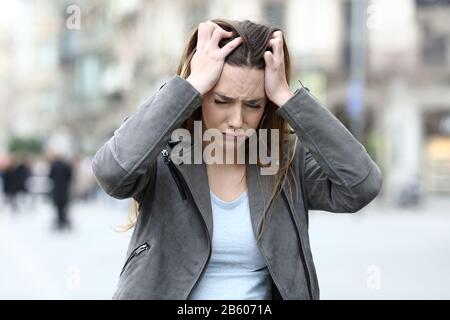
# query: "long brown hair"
249, 54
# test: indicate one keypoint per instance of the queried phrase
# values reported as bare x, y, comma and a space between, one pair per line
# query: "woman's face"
236, 102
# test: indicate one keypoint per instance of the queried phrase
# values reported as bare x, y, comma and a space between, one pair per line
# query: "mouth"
233, 136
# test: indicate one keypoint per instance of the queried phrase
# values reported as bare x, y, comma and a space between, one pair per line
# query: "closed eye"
220, 102
254, 106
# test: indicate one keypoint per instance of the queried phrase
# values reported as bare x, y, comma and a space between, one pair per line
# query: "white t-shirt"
236, 270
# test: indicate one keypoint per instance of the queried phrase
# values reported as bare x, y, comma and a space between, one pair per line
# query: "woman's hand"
208, 60
276, 85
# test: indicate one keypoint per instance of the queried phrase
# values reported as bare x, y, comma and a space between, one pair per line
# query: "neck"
226, 167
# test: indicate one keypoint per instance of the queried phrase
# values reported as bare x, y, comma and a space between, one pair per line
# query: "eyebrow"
257, 100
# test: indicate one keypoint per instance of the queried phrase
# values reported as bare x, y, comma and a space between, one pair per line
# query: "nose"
235, 119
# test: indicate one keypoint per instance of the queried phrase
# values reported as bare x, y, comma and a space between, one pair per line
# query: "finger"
271, 43
216, 26
277, 34
230, 46
212, 27
209, 29
277, 46
202, 34
212, 24
268, 58
219, 34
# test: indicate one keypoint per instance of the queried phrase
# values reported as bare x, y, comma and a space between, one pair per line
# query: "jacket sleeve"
338, 174
125, 164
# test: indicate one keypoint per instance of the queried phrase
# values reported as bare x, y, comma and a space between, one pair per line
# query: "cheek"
255, 118
211, 115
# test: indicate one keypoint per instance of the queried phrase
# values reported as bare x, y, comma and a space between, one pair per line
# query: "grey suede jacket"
171, 243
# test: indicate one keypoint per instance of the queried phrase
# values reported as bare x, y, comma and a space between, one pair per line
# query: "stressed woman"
226, 216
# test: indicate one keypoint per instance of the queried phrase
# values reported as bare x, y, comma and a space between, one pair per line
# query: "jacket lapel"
196, 178
259, 191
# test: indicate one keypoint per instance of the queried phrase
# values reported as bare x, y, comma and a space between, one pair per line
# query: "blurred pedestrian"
61, 176
22, 173
8, 185
15, 176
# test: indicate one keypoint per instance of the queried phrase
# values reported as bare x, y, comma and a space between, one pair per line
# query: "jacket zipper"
181, 184
175, 174
302, 253
135, 253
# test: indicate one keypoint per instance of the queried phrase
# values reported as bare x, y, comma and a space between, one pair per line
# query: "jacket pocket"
136, 252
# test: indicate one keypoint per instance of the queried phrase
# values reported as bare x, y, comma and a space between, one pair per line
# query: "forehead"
241, 82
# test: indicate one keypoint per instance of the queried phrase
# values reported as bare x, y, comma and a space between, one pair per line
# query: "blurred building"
29, 68
404, 66
381, 66
409, 80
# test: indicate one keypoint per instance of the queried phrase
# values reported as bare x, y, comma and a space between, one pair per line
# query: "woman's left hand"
276, 85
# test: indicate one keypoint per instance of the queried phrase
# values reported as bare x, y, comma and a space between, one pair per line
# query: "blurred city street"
378, 253
40, 263
73, 72
384, 252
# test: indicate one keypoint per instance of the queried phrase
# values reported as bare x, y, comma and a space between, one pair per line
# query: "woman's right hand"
208, 60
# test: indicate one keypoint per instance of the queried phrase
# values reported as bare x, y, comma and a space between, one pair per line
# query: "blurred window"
432, 2
48, 54
88, 73
346, 43
435, 48
197, 12
437, 123
275, 13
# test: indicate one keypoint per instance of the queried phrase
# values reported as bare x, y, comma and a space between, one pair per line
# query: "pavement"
40, 263
384, 252
381, 252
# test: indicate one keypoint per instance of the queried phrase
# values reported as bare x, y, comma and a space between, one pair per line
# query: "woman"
225, 230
